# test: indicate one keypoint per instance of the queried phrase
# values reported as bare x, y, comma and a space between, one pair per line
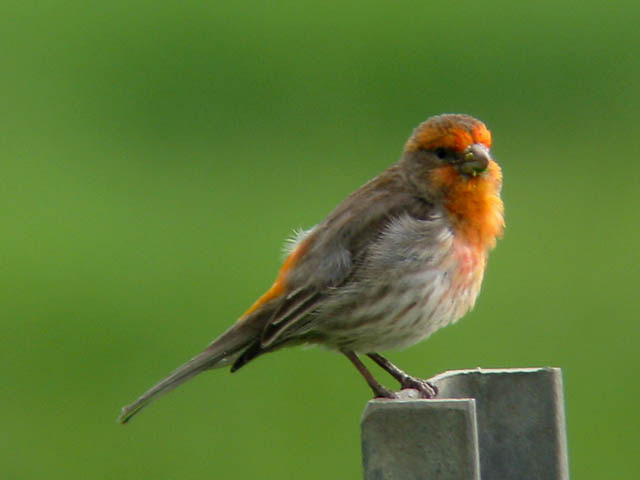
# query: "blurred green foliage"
155, 154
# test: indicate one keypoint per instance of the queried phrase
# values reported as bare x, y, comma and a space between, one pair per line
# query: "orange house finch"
399, 258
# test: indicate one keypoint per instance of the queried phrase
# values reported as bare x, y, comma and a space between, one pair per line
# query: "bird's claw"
425, 388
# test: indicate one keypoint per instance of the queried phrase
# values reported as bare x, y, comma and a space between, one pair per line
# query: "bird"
399, 258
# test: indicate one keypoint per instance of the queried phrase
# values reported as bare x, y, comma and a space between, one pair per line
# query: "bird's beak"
475, 160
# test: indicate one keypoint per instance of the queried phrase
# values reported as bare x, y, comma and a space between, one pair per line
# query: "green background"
154, 155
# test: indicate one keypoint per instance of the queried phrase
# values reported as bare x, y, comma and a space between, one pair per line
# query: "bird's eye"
441, 153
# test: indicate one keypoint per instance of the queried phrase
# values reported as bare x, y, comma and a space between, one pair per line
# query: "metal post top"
495, 371
505, 423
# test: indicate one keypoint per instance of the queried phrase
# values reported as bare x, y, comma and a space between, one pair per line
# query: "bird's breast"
473, 205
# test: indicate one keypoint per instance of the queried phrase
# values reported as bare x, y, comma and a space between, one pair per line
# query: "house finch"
399, 258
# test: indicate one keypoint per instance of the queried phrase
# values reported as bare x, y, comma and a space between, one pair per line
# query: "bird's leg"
426, 389
378, 389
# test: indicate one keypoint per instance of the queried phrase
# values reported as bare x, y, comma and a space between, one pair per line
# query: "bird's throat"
473, 204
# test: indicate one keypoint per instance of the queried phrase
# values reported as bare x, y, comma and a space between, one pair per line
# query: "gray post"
520, 429
420, 439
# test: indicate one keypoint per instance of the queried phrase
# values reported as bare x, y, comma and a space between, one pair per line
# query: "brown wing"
328, 257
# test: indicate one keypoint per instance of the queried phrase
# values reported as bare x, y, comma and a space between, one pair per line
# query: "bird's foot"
425, 388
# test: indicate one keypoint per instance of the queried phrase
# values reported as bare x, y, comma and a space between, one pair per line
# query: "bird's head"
448, 160
456, 143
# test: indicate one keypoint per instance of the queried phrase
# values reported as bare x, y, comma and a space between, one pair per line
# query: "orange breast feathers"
474, 205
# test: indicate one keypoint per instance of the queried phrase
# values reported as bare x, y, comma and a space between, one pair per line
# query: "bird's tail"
219, 353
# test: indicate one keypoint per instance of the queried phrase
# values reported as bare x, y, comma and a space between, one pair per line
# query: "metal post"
519, 432
420, 439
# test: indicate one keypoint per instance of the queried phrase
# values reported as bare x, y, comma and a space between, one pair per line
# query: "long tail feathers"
221, 351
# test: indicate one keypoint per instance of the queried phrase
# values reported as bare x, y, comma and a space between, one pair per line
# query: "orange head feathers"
455, 132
